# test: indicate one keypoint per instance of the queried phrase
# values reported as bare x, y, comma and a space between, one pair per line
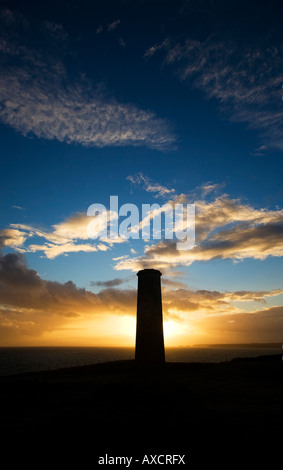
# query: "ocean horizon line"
188, 346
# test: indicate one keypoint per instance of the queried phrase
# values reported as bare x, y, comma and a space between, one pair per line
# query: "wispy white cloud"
122, 42
38, 98
51, 251
20, 208
113, 25
150, 186
110, 27
157, 47
245, 80
32, 106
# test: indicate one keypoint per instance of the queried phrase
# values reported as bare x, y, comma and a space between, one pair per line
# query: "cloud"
113, 25
122, 42
152, 213
247, 296
32, 106
15, 274
22, 287
12, 237
99, 29
64, 237
261, 326
51, 251
209, 187
56, 30
37, 97
110, 27
173, 284
32, 307
225, 229
149, 186
111, 283
183, 301
18, 207
119, 301
157, 47
245, 78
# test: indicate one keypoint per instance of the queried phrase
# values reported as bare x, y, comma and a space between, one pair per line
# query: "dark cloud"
111, 283
22, 287
14, 272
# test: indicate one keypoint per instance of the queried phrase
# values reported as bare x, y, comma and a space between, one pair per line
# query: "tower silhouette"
149, 332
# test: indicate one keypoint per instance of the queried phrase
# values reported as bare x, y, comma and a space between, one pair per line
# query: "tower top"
149, 271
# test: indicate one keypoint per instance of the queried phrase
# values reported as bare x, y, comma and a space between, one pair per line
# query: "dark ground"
223, 415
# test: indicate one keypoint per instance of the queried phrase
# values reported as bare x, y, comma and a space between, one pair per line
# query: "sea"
19, 360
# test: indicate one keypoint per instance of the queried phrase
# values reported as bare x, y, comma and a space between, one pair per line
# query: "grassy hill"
217, 414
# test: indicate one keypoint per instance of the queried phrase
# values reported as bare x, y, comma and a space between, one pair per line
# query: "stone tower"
149, 333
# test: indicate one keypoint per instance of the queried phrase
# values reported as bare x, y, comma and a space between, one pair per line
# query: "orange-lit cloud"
32, 309
31, 306
261, 326
64, 237
226, 229
12, 237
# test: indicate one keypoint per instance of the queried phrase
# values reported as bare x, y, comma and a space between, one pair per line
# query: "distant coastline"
240, 345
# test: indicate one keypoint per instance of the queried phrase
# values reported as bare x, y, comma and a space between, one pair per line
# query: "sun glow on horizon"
111, 331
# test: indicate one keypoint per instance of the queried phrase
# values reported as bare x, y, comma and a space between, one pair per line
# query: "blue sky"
153, 101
